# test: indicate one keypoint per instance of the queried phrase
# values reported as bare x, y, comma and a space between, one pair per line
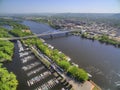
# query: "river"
23, 70
100, 60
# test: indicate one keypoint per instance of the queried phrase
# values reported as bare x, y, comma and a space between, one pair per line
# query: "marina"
35, 71
27, 59
98, 59
36, 75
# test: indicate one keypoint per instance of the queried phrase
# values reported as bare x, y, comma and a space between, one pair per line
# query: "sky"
59, 6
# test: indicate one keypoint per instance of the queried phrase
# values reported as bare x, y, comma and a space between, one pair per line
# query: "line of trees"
106, 39
19, 33
8, 80
3, 32
103, 38
17, 30
15, 24
59, 58
6, 50
6, 47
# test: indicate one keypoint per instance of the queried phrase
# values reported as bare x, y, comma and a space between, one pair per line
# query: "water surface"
100, 60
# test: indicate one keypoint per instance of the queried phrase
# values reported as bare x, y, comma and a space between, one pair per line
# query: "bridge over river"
40, 35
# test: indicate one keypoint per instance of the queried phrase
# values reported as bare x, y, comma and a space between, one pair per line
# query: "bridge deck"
38, 35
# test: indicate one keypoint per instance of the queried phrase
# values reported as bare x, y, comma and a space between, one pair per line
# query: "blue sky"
59, 6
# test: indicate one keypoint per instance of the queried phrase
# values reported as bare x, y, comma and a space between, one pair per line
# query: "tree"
64, 64
72, 70
7, 80
81, 75
78, 73
60, 59
6, 50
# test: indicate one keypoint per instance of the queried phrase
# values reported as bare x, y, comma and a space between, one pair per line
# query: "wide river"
100, 60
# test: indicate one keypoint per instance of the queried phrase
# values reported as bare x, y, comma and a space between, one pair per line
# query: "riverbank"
99, 59
78, 69
59, 58
48, 22
102, 38
75, 84
8, 79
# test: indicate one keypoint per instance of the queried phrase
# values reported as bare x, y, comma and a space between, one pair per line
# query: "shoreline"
87, 84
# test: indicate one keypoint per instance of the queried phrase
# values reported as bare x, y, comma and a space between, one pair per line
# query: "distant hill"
69, 15
84, 15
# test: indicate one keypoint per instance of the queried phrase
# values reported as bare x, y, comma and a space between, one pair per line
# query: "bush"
6, 50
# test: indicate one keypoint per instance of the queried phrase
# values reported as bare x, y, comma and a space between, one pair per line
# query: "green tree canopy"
7, 80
